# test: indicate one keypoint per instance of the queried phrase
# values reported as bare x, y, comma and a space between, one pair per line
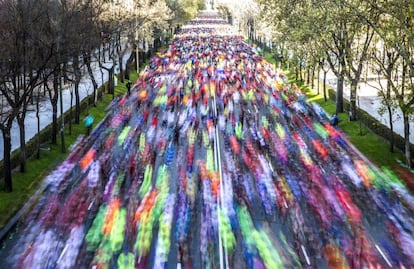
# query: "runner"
214, 160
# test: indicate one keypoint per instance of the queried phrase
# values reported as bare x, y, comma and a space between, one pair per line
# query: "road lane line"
217, 160
383, 255
306, 254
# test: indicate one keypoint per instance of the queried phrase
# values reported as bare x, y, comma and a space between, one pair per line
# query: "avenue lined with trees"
45, 43
356, 40
213, 159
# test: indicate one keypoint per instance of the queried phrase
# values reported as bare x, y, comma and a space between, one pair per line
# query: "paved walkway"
371, 103
45, 114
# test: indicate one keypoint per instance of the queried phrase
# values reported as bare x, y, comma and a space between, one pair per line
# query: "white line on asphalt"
271, 168
216, 161
383, 255
221, 192
306, 254
284, 202
63, 253
91, 204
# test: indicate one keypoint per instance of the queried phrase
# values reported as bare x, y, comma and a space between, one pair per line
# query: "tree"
395, 27
346, 39
183, 10
244, 13
149, 16
24, 59
334, 28
71, 32
386, 61
38, 38
79, 38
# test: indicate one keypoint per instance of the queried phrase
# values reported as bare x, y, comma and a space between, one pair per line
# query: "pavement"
45, 107
214, 161
370, 102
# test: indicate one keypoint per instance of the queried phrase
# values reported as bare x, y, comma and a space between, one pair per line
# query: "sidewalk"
370, 102
45, 107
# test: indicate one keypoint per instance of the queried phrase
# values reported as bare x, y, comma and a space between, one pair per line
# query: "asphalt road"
215, 161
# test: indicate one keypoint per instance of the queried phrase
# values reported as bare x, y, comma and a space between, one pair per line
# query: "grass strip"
368, 143
26, 184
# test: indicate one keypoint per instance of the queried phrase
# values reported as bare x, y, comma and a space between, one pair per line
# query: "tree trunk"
108, 51
126, 71
102, 85
141, 58
313, 78
391, 129
78, 76
118, 42
301, 72
71, 112
340, 94
110, 84
8, 186
317, 79
324, 85
308, 75
54, 123
156, 44
405, 117
389, 108
137, 58
87, 58
353, 99
22, 132
129, 63
111, 81
121, 68
54, 102
296, 73
77, 103
38, 127
102, 92
63, 71
407, 140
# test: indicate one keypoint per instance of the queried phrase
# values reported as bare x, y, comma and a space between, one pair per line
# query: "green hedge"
373, 124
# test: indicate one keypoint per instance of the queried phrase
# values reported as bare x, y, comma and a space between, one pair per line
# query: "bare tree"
73, 34
21, 47
80, 36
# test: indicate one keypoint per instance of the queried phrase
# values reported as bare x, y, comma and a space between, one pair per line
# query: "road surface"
214, 161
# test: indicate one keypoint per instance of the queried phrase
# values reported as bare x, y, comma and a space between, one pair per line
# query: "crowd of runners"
215, 160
